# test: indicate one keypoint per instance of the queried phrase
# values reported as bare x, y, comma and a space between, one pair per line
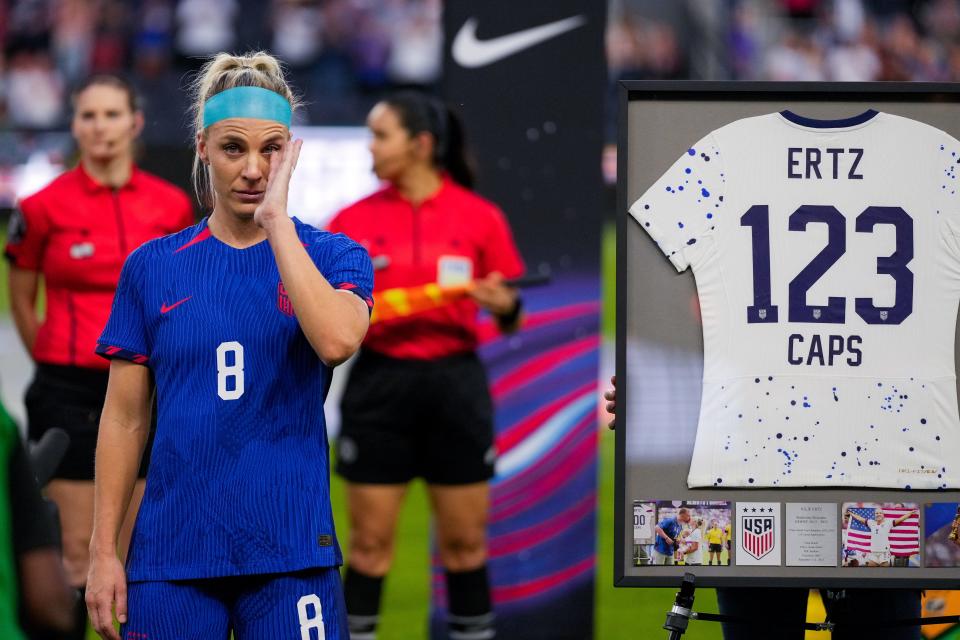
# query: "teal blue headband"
246, 102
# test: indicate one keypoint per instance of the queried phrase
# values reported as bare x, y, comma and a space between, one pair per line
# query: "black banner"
528, 79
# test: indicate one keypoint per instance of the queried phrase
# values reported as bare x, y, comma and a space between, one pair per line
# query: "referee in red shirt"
75, 234
417, 403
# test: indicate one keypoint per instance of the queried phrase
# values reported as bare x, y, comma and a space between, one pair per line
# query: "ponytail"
420, 113
456, 160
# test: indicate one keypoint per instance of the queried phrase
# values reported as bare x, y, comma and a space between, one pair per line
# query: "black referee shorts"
403, 419
71, 398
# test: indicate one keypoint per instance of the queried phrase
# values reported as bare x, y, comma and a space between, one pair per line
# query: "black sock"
362, 594
77, 632
469, 605
79, 619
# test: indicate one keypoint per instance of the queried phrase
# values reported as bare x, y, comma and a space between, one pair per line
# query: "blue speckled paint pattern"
866, 397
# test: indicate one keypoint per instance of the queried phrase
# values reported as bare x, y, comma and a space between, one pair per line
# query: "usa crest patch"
283, 301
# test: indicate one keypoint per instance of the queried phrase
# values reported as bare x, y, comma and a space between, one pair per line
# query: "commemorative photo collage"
796, 534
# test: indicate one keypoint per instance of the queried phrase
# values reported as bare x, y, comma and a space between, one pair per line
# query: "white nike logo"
471, 53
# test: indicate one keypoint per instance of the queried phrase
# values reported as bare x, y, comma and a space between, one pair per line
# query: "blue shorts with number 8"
306, 605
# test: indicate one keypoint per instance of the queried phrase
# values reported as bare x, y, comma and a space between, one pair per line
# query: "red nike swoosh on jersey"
164, 308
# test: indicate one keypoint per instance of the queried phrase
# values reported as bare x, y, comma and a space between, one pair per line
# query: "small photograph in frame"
644, 531
880, 534
942, 534
688, 533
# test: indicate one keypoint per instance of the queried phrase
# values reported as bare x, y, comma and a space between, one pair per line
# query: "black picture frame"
635, 90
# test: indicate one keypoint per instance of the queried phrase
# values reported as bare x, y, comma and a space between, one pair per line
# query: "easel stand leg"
679, 616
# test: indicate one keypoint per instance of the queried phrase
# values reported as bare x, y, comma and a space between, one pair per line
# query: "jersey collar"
92, 186
445, 182
842, 123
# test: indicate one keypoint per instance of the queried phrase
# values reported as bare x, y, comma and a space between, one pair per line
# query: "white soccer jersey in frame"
827, 262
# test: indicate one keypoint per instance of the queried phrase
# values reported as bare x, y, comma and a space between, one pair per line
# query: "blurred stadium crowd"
801, 40
338, 51
343, 54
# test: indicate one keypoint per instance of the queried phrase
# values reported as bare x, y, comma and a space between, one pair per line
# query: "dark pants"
776, 608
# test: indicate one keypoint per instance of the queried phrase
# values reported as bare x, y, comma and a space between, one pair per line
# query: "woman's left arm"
903, 518
498, 261
493, 294
334, 321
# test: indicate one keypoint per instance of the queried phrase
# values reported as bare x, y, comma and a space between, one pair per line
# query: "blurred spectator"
153, 38
297, 31
744, 40
370, 48
953, 62
73, 36
110, 44
665, 59
643, 49
941, 19
902, 44
849, 19
794, 58
800, 8
30, 23
345, 54
623, 49
34, 90
205, 27
855, 61
416, 43
846, 40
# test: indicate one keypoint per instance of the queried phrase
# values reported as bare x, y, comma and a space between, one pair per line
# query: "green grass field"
620, 613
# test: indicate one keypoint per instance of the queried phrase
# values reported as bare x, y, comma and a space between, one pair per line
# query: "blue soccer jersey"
672, 528
239, 476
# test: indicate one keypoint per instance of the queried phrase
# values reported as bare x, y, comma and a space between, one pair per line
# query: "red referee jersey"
453, 235
77, 233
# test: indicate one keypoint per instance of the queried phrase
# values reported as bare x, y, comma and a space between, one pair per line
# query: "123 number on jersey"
230, 370
763, 310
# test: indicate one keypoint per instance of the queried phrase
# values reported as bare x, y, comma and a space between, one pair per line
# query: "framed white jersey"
827, 260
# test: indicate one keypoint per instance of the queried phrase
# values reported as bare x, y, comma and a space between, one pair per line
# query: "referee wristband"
511, 316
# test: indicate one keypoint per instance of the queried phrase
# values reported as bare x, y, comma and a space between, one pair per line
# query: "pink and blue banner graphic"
543, 516
529, 80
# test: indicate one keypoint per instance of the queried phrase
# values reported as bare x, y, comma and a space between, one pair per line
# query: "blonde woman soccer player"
238, 320
880, 527
693, 544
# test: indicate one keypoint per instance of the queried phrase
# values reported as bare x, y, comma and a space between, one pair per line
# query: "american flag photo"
885, 535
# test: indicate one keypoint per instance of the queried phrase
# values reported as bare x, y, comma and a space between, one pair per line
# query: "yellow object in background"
816, 612
936, 604
401, 302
